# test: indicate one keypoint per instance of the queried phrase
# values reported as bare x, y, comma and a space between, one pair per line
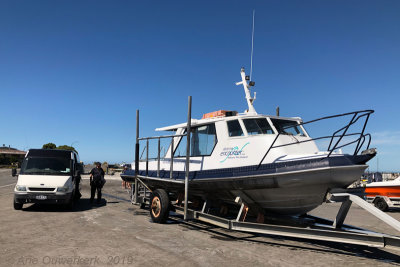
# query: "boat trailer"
303, 227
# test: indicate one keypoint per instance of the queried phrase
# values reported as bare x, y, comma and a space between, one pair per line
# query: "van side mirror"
13, 172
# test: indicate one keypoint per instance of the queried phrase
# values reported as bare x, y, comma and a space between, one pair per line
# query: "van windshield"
46, 166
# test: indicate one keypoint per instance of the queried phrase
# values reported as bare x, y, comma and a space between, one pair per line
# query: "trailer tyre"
159, 206
381, 204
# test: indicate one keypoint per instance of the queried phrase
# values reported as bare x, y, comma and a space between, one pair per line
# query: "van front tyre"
71, 203
18, 206
159, 206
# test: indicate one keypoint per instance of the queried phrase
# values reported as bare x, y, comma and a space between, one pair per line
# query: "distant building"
9, 155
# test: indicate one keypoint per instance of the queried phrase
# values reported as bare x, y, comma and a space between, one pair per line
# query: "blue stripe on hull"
253, 170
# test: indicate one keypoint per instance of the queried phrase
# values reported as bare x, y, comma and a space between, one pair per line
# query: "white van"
48, 176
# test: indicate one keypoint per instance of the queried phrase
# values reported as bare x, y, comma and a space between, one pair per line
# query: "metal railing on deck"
159, 151
360, 140
187, 134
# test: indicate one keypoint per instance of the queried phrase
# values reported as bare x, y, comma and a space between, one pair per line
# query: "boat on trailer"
228, 165
270, 161
384, 195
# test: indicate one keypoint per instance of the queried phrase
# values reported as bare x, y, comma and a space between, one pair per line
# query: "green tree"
49, 146
65, 147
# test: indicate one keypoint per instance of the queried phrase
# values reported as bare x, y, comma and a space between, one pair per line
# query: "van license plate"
41, 197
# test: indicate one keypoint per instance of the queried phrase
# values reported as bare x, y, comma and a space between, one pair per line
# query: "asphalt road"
6, 179
118, 233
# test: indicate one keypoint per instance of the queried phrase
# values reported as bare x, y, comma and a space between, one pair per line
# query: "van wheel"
18, 206
381, 204
70, 205
159, 206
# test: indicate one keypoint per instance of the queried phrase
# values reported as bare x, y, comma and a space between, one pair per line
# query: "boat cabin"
224, 139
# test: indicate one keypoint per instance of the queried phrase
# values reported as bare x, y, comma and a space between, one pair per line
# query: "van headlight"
63, 189
20, 188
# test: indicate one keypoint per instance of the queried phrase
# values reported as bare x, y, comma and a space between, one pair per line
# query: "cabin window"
234, 128
257, 126
288, 127
202, 142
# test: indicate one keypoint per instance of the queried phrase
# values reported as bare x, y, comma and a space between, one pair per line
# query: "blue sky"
74, 72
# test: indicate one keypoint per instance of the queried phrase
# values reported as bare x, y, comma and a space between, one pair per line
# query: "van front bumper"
45, 198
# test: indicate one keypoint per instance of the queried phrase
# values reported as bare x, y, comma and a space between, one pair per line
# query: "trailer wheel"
159, 206
381, 204
18, 206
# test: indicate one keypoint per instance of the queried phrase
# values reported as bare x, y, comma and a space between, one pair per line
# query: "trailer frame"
302, 227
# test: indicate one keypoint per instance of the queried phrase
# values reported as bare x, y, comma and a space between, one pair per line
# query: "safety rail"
360, 140
187, 134
146, 148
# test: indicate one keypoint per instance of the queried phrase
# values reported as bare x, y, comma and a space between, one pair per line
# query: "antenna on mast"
245, 78
252, 45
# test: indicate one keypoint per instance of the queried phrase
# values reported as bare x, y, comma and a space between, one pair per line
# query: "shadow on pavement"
394, 210
82, 205
378, 254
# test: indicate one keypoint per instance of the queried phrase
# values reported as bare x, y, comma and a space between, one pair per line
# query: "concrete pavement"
116, 233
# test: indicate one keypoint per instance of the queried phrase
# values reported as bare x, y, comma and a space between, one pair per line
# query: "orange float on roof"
219, 113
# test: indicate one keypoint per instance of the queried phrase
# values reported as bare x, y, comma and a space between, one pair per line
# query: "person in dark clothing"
77, 189
96, 182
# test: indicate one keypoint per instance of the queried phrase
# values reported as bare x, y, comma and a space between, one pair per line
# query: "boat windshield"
257, 126
46, 166
288, 127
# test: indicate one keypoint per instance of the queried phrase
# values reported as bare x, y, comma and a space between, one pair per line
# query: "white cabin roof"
195, 122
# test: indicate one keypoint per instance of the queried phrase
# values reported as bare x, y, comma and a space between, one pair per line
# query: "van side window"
234, 128
202, 142
257, 126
